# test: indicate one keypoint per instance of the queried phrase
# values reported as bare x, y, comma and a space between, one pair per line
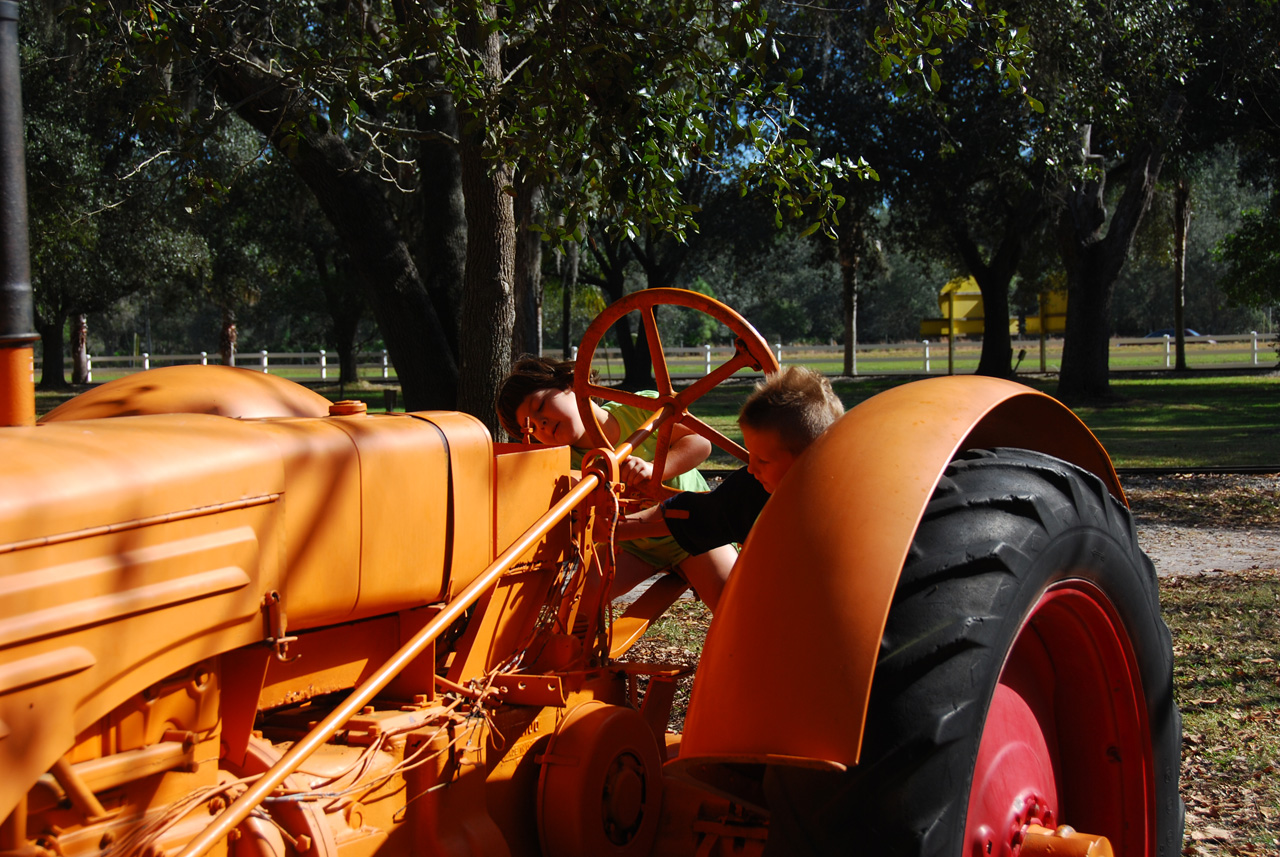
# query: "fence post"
146, 361
1255, 346
1166, 351
926, 356
324, 366
574, 358
88, 368
708, 372
384, 363
778, 348
204, 358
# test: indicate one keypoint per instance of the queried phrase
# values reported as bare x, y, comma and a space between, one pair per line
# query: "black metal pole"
17, 323
17, 320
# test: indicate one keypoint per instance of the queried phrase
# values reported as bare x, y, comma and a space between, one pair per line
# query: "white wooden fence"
1237, 351
1249, 350
300, 365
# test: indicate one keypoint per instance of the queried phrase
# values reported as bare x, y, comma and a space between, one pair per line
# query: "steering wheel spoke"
742, 359
717, 438
661, 375
625, 397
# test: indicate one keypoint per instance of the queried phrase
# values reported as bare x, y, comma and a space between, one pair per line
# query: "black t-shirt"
718, 517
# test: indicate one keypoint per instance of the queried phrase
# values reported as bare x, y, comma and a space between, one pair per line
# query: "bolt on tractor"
238, 620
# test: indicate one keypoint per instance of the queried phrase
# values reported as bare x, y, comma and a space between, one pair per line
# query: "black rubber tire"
1001, 527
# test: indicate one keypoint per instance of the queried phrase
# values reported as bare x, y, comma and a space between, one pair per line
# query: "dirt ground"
1189, 524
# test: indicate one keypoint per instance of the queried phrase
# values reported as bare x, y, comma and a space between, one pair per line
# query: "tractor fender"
194, 389
785, 674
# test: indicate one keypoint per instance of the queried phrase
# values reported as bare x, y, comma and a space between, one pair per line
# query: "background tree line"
464, 181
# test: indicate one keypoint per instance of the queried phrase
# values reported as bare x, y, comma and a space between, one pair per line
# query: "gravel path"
1194, 523
1190, 550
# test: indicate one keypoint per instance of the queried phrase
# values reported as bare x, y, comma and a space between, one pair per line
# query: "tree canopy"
441, 146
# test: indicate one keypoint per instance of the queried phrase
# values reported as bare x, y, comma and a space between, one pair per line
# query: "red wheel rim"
1066, 738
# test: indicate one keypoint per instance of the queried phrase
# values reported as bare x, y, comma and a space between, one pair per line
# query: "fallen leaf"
1216, 833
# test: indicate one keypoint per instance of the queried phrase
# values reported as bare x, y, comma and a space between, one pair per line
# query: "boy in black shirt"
783, 415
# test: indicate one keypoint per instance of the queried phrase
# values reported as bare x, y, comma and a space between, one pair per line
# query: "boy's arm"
645, 524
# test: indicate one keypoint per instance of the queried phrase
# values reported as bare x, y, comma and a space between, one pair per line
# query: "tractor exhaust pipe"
17, 321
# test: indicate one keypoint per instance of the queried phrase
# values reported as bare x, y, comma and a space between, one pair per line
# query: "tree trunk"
441, 253
612, 258
637, 362
1093, 261
1085, 373
850, 254
569, 284
1181, 223
355, 203
53, 374
994, 277
346, 308
488, 301
527, 337
348, 365
79, 348
227, 337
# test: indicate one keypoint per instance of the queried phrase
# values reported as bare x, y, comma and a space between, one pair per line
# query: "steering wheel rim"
671, 408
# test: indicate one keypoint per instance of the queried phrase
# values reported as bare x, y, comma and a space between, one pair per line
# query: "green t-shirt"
629, 419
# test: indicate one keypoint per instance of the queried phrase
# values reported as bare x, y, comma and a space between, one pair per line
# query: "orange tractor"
241, 621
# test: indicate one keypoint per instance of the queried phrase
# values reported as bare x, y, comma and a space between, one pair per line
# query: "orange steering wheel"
750, 352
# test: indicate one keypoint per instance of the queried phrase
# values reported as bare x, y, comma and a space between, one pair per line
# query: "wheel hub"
1063, 842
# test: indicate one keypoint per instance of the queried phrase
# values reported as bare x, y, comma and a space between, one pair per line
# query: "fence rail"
932, 357
297, 365
925, 357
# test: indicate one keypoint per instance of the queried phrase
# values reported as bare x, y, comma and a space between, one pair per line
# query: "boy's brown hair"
797, 404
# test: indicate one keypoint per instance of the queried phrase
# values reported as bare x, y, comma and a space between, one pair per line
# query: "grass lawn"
1227, 682
1196, 421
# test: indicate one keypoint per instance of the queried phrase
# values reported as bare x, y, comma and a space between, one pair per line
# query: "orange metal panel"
65, 478
528, 479
403, 497
320, 569
806, 604
89, 623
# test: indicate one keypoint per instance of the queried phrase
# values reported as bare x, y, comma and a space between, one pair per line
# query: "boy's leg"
631, 571
708, 572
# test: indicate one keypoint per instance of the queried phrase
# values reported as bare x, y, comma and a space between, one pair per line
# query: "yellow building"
960, 302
